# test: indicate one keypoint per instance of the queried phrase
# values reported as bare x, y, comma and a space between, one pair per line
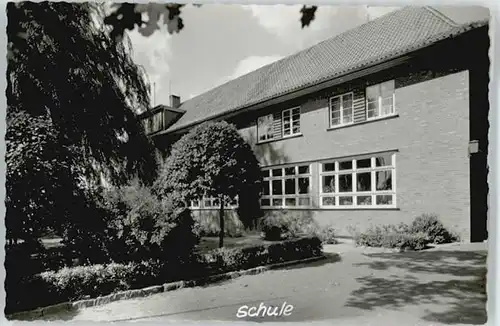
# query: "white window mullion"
283, 187
394, 191
341, 109
393, 110
379, 106
336, 198
374, 187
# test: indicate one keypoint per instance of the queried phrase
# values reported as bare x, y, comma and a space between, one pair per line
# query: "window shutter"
359, 105
277, 125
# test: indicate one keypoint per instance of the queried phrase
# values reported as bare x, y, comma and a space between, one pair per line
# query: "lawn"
252, 239
206, 243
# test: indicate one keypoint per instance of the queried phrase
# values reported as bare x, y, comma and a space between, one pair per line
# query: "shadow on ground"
452, 279
330, 258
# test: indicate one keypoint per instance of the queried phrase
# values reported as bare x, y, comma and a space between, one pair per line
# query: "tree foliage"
212, 160
72, 96
127, 16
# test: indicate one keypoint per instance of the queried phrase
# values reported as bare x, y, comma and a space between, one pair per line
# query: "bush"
144, 226
430, 225
391, 236
423, 230
327, 235
79, 282
300, 224
275, 225
284, 224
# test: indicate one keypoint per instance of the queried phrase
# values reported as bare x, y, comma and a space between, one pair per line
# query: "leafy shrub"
275, 225
423, 230
81, 281
391, 236
327, 235
140, 225
430, 225
225, 259
301, 225
285, 224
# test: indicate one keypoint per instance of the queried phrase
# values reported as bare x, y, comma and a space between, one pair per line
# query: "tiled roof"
387, 37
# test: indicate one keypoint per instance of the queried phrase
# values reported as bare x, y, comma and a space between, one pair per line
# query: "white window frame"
379, 101
297, 196
341, 97
284, 135
268, 137
201, 204
354, 194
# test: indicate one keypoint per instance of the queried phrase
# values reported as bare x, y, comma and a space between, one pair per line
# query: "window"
157, 121
360, 182
153, 123
291, 122
380, 100
341, 110
146, 124
213, 203
288, 187
265, 128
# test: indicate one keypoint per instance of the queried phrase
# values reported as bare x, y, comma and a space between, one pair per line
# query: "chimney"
175, 101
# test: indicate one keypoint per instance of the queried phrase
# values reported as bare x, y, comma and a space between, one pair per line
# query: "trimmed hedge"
81, 282
229, 260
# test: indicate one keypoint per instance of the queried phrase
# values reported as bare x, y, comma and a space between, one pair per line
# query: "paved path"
437, 286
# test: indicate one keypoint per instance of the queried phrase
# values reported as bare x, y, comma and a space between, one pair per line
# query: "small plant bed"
83, 282
423, 231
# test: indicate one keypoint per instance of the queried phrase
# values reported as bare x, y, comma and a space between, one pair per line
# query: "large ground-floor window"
360, 182
286, 186
366, 181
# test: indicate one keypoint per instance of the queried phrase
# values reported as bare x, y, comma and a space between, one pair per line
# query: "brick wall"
430, 134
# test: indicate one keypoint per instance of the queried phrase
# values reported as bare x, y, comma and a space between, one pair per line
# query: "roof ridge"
407, 29
441, 16
371, 21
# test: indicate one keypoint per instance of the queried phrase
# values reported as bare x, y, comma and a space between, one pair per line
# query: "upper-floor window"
286, 187
265, 130
154, 123
360, 182
278, 125
380, 100
291, 122
341, 110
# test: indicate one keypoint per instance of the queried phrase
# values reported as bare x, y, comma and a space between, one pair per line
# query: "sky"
222, 42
